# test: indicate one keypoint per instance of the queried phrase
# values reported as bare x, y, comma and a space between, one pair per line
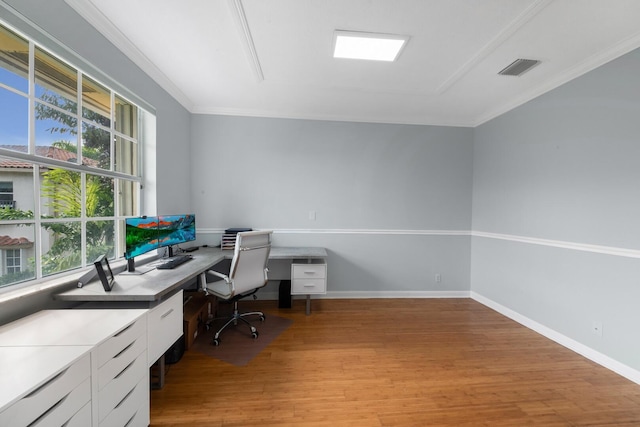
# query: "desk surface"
155, 284
66, 327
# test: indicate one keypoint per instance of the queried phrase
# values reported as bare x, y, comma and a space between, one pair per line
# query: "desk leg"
284, 294
160, 383
308, 305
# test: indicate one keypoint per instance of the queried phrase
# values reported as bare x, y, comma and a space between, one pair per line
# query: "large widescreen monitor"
145, 234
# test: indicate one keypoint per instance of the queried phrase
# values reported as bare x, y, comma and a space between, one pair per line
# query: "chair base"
235, 317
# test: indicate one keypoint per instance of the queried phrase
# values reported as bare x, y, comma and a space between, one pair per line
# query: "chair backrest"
250, 258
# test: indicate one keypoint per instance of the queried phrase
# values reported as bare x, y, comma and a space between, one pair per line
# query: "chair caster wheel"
254, 334
215, 342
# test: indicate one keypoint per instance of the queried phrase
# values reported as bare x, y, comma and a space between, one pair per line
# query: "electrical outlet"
438, 278
312, 215
596, 328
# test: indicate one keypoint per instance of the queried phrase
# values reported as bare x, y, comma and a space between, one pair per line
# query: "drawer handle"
125, 398
123, 331
48, 411
36, 391
310, 272
123, 350
167, 313
125, 369
131, 419
309, 286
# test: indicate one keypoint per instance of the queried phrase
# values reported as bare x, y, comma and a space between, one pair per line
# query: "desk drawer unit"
164, 326
122, 361
55, 402
132, 410
308, 278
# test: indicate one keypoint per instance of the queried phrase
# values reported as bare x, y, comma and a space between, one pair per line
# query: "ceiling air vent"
519, 67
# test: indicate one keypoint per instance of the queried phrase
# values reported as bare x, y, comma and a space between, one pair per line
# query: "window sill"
61, 280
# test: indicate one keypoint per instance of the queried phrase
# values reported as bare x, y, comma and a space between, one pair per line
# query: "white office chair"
248, 273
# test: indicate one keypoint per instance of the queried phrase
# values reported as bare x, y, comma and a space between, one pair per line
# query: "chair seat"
220, 289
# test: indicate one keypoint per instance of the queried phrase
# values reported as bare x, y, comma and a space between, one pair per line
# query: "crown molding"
100, 22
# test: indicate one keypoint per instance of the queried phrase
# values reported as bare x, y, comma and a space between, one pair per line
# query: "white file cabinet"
308, 277
75, 368
45, 386
122, 373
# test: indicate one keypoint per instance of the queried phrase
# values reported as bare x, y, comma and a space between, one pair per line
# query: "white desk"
156, 290
155, 285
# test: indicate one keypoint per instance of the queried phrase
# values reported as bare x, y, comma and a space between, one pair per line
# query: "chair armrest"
219, 275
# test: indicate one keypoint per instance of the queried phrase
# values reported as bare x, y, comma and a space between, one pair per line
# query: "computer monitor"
176, 229
141, 236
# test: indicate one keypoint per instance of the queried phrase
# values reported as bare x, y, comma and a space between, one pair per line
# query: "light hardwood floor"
397, 362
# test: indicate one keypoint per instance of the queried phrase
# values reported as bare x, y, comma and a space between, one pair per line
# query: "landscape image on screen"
141, 236
175, 229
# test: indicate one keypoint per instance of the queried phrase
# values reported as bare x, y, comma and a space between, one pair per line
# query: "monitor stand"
132, 269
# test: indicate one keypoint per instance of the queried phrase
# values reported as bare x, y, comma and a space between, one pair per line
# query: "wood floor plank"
388, 362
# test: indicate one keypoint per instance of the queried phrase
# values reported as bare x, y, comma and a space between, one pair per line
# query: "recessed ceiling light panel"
370, 46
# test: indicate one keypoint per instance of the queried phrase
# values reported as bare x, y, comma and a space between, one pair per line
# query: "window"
12, 259
6, 195
70, 153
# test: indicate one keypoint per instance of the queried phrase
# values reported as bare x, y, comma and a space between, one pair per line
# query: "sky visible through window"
14, 121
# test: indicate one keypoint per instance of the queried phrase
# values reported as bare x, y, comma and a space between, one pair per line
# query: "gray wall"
563, 168
383, 195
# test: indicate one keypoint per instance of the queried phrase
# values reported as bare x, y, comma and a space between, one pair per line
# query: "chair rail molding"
585, 247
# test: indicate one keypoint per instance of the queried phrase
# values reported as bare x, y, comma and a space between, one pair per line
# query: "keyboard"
173, 262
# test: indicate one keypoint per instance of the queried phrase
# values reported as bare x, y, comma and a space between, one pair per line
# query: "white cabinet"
44, 386
122, 361
164, 326
75, 368
308, 277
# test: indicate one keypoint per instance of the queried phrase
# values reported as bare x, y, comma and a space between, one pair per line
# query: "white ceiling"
273, 58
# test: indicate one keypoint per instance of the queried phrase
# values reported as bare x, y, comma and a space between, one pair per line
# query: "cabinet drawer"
308, 286
123, 339
120, 361
308, 271
66, 409
164, 326
132, 410
54, 396
121, 386
82, 418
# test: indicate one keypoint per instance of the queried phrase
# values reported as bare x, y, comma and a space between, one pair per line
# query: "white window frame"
145, 141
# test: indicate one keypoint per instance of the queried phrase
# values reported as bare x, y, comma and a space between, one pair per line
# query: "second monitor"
176, 229
145, 234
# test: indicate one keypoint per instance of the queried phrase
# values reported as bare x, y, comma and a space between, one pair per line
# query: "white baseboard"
591, 354
394, 294
374, 294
